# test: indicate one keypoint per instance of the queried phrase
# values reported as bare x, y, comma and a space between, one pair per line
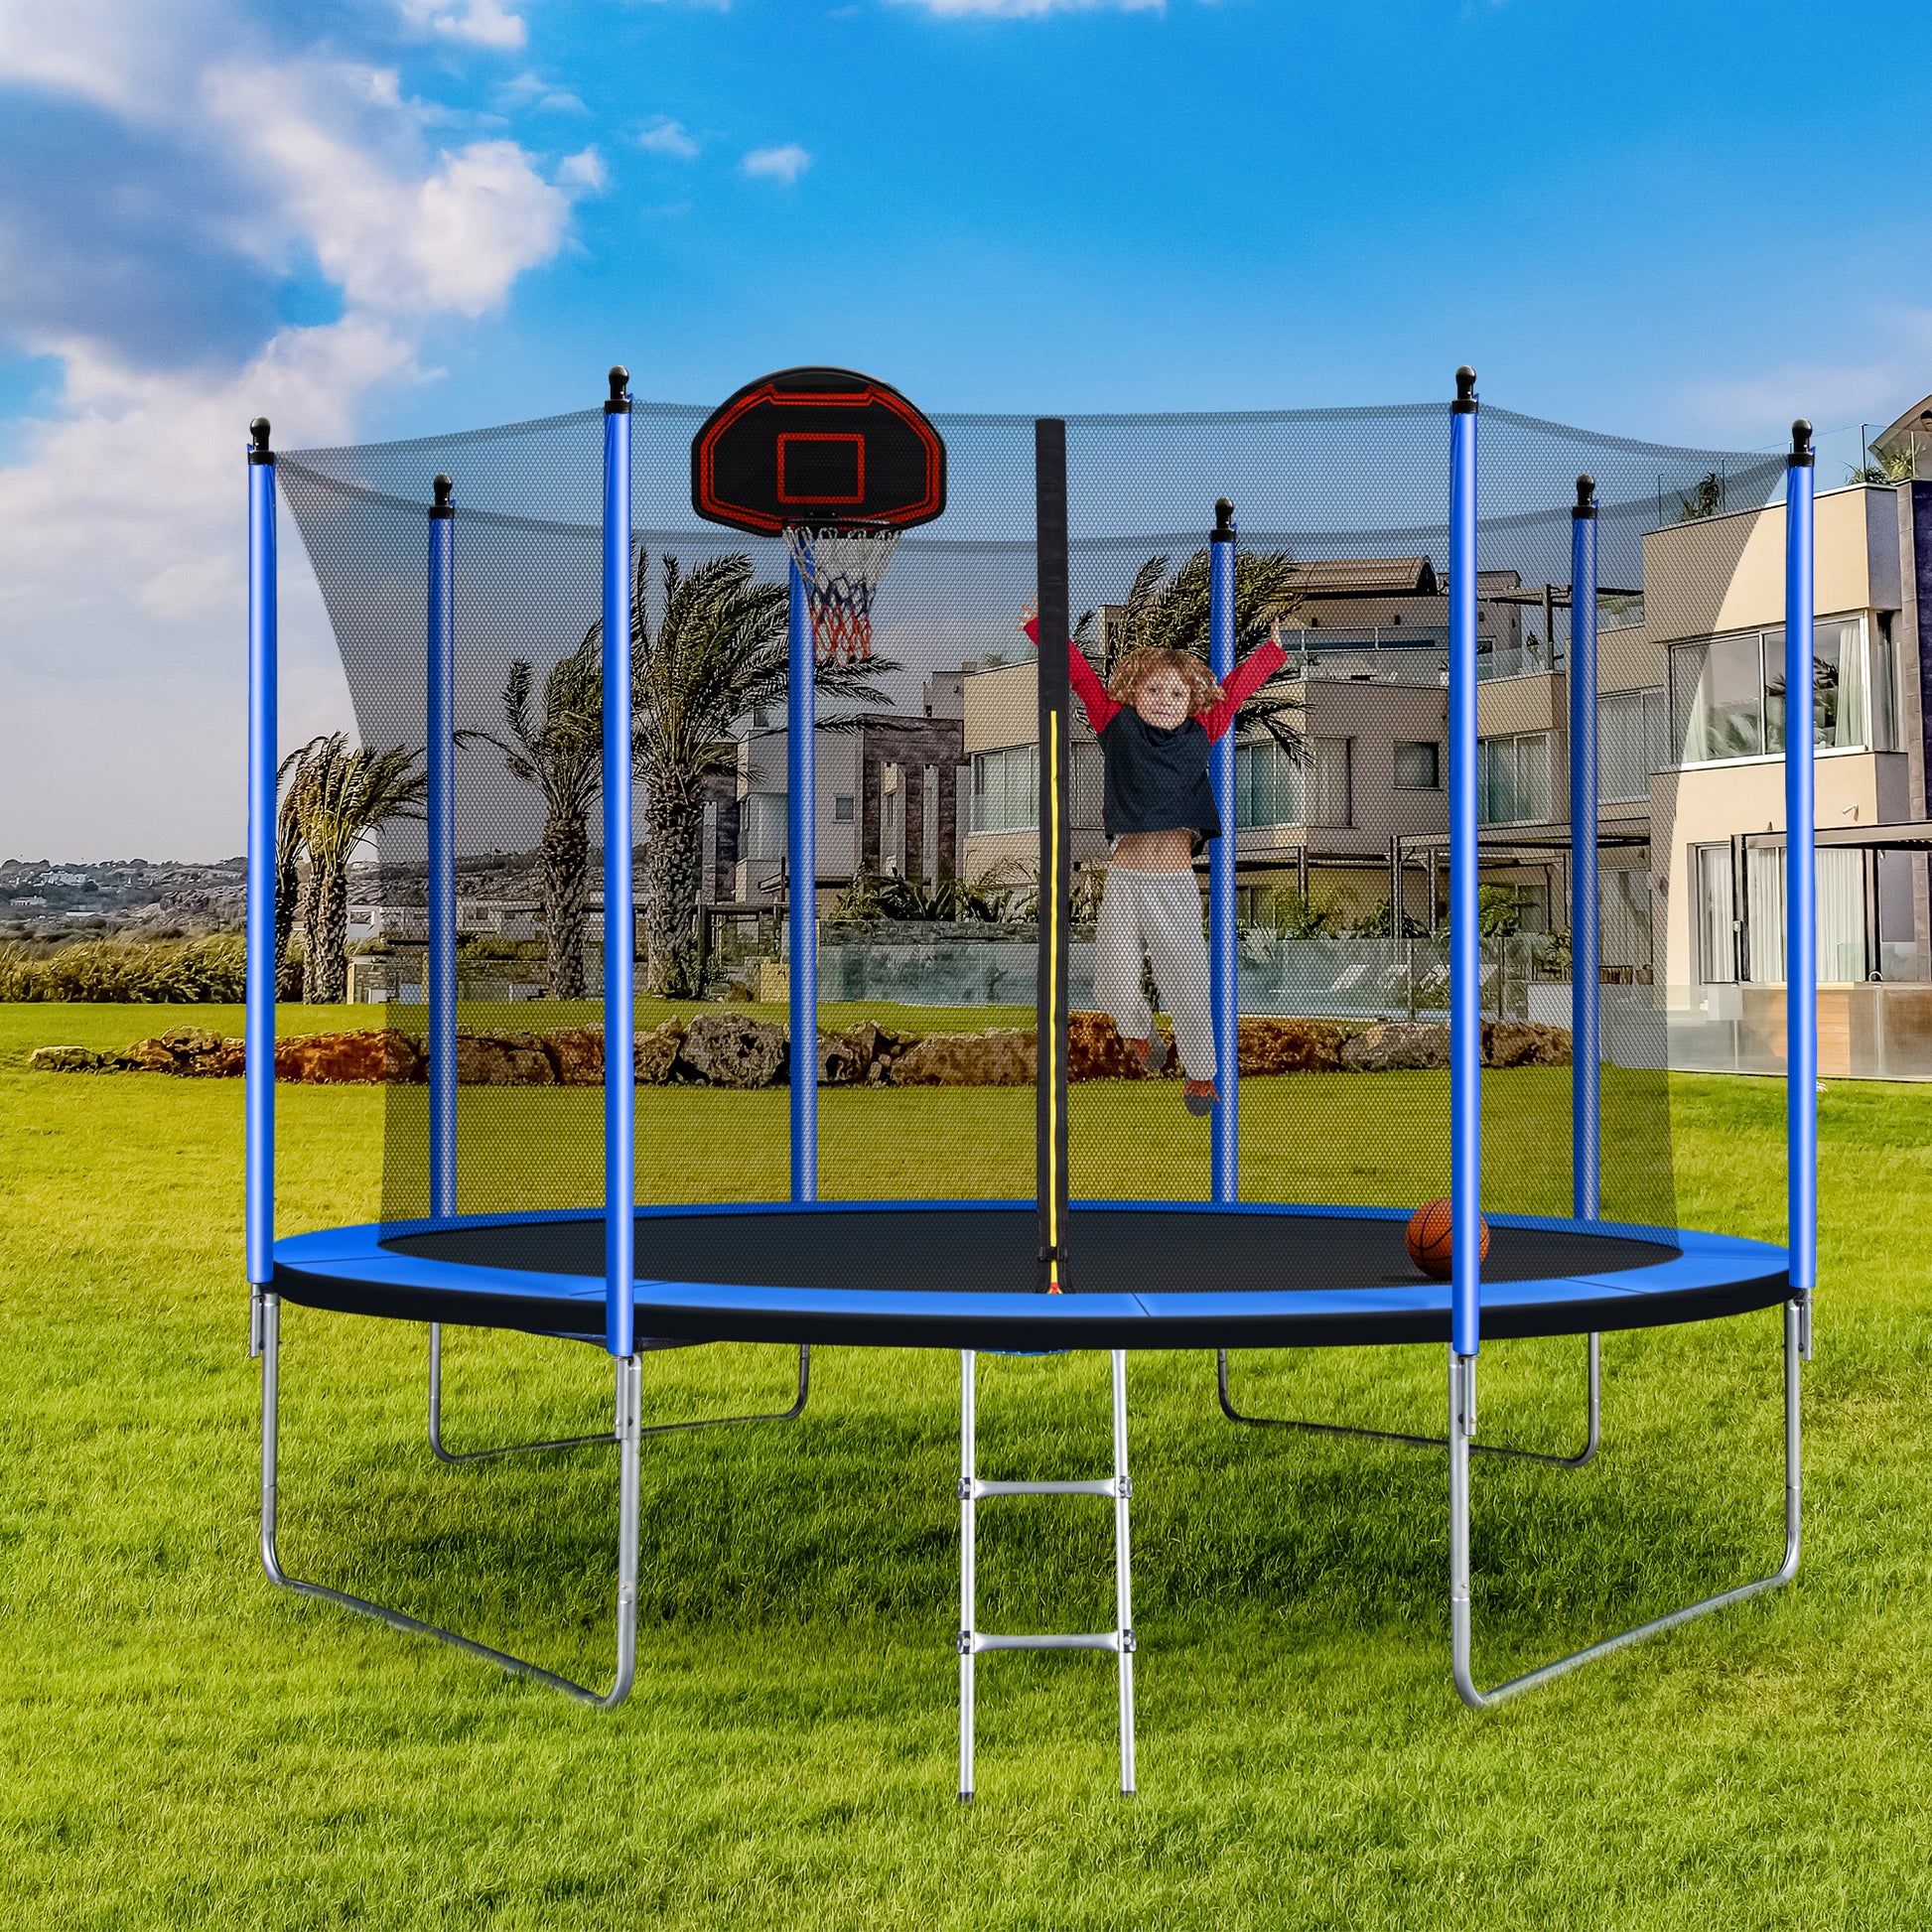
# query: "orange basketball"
1429, 1239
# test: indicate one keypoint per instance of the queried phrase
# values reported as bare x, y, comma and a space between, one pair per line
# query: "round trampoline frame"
796, 1272
802, 1273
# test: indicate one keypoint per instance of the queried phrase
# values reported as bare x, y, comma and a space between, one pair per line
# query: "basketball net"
840, 565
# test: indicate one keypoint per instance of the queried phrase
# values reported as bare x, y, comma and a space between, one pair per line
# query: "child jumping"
1155, 722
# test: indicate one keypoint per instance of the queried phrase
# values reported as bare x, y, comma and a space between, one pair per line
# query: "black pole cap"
1585, 497
1802, 454
1223, 520
619, 390
1466, 391
258, 449
442, 489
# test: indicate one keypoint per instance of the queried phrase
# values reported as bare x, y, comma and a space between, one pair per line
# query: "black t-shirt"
1157, 779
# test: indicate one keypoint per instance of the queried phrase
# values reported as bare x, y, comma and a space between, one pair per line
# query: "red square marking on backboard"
855, 495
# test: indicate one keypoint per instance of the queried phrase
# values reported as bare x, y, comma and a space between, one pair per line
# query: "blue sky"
382, 218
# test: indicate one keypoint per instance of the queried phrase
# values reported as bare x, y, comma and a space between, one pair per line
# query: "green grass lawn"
187, 1746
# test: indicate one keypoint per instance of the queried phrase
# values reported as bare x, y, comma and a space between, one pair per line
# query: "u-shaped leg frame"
626, 1434
444, 1453
1462, 1388
1592, 1435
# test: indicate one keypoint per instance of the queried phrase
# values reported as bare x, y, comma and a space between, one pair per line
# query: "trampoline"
920, 1275
527, 1213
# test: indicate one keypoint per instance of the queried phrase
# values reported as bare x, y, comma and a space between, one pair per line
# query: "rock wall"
726, 1049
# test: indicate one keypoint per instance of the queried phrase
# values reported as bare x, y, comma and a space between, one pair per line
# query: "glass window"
1267, 784
1884, 689
1330, 763
1716, 929
1727, 693
842, 808
1513, 779
1724, 715
1632, 741
1418, 767
1089, 786
1006, 790
762, 826
1623, 894
1841, 914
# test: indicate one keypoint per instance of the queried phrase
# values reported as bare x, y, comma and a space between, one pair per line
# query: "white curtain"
1841, 914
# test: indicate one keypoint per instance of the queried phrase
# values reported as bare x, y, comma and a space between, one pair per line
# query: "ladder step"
1100, 1640
1106, 1486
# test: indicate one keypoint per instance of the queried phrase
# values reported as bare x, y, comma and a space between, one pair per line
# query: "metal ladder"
1118, 1488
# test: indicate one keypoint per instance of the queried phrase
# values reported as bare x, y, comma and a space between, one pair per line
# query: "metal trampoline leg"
968, 1585
1797, 1348
625, 1434
444, 1453
1592, 1429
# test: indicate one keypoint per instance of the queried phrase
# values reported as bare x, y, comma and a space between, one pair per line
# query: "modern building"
887, 802
1688, 706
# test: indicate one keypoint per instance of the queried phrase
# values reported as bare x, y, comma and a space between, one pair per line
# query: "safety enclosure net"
928, 801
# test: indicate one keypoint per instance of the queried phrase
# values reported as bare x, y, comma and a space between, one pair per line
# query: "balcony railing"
1414, 654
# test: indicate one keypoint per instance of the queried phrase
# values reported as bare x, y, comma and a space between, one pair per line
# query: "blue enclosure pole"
801, 870
440, 705
1801, 865
620, 914
1585, 989
1224, 991
1465, 950
260, 1023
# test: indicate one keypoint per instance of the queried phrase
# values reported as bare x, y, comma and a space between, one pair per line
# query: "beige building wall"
1506, 706
761, 769
1727, 573
1001, 711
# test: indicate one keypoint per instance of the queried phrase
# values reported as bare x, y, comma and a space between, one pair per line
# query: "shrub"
161, 973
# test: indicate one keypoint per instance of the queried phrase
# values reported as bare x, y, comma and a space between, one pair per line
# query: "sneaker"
1202, 1098
1152, 1054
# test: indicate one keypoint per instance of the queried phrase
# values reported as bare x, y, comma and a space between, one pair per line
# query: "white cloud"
120, 54
534, 90
122, 591
666, 136
1029, 9
784, 164
1874, 387
454, 239
584, 171
122, 596
480, 22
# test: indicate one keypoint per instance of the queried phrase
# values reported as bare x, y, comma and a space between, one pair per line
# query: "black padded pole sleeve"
1056, 855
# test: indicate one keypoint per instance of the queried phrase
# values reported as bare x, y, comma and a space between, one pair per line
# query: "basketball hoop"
836, 462
840, 565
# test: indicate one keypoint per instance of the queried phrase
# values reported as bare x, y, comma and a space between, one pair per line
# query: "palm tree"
560, 751
292, 777
718, 652
1170, 613
345, 795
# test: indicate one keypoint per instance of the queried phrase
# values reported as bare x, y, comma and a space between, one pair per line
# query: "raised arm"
1092, 694
1087, 687
1247, 678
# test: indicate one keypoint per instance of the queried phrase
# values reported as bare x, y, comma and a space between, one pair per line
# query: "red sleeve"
1089, 690
1248, 677
1092, 694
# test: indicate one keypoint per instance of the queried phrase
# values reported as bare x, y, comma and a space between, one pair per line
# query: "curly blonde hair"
1140, 664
